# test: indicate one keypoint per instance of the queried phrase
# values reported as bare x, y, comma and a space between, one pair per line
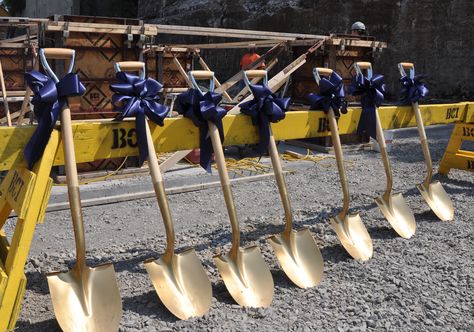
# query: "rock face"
435, 35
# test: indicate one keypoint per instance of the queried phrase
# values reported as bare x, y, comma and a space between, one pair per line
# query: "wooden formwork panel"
160, 66
341, 60
96, 54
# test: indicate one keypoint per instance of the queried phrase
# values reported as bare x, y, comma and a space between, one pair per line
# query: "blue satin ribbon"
200, 109
413, 89
137, 97
331, 95
48, 100
264, 108
373, 93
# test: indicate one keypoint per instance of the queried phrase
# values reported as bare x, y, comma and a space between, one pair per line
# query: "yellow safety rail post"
27, 193
454, 156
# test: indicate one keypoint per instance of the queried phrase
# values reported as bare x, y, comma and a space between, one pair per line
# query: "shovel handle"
59, 53
407, 65
364, 65
202, 74
336, 142
131, 65
281, 183
226, 188
324, 71
73, 186
256, 73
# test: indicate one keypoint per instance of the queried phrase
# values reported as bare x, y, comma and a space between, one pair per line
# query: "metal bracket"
66, 31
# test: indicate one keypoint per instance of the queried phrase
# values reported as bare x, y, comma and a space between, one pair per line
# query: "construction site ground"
425, 283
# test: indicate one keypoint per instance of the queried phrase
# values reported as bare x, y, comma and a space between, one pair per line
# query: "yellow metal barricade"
455, 156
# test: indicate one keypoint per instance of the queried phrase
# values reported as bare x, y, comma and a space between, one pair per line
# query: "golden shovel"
433, 192
179, 279
245, 273
296, 250
85, 298
349, 228
393, 206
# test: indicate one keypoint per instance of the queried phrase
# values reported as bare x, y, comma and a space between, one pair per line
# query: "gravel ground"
422, 284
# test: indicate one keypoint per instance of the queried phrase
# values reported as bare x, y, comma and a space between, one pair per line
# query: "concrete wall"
436, 35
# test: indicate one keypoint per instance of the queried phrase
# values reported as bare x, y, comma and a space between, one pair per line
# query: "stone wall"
435, 35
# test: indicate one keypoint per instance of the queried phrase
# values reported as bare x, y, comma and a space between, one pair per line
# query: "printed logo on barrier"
123, 138
452, 113
468, 131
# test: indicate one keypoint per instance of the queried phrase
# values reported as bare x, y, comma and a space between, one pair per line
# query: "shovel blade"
86, 299
398, 214
299, 257
247, 277
438, 200
354, 237
182, 284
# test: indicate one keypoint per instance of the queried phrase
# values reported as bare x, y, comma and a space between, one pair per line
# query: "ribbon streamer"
331, 95
413, 89
264, 108
372, 92
137, 97
201, 108
48, 100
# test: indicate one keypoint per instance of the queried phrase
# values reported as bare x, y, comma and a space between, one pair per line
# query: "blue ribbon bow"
48, 100
372, 92
137, 97
331, 95
264, 108
413, 89
201, 108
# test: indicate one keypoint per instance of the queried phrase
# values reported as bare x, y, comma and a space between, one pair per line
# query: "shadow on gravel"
335, 254
220, 293
37, 282
382, 232
50, 325
148, 304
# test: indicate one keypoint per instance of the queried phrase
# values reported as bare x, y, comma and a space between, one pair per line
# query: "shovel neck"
160, 192
225, 184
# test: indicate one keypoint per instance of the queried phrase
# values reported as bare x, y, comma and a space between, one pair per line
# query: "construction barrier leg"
27, 193
454, 157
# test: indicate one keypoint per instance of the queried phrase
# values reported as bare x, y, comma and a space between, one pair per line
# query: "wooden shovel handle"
59, 53
255, 73
407, 65
364, 65
324, 71
131, 65
202, 74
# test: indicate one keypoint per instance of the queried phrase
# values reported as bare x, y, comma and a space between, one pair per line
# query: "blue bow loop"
331, 95
201, 108
412, 89
372, 92
48, 100
137, 97
264, 108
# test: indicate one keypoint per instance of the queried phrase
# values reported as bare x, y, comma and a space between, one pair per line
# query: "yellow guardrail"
105, 139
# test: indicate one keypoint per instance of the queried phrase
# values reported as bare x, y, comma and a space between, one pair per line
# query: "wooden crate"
160, 66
